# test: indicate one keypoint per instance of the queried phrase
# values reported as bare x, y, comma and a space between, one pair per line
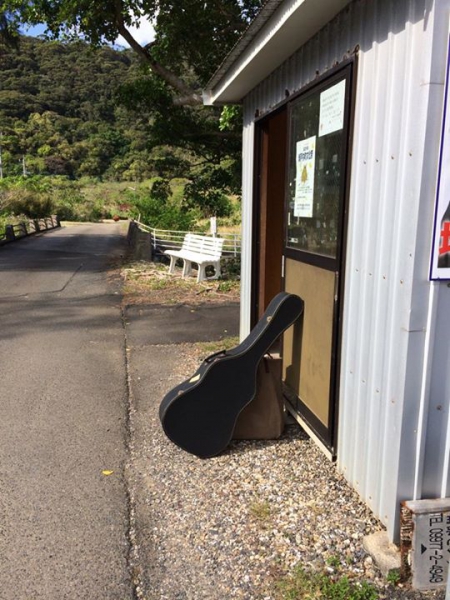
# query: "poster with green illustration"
304, 184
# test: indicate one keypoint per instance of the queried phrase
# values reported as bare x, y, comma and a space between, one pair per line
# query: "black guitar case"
199, 415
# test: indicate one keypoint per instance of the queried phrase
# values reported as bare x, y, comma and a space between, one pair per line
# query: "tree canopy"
192, 36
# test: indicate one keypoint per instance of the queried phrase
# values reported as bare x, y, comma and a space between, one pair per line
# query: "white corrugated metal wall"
394, 394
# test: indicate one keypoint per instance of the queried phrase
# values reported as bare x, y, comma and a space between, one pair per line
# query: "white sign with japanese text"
332, 105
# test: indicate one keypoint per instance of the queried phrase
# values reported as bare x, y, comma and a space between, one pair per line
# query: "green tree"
191, 39
8, 29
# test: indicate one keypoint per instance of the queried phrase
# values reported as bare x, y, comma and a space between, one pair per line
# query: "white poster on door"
332, 104
304, 183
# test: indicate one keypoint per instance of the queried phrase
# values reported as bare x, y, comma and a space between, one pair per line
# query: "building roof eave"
281, 27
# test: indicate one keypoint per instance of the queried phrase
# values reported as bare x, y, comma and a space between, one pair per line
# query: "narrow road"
63, 421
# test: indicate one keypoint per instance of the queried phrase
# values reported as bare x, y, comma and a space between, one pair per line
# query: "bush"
209, 200
70, 202
29, 203
231, 267
163, 215
160, 190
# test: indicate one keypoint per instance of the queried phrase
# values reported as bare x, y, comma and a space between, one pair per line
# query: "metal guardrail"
168, 239
24, 228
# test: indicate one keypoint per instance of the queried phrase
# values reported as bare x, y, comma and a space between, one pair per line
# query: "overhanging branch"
187, 96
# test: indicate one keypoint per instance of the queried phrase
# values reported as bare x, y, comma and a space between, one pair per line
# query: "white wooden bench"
202, 250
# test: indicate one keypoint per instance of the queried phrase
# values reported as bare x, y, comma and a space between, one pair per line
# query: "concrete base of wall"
385, 554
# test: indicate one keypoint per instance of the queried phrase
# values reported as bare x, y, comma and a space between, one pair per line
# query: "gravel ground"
232, 527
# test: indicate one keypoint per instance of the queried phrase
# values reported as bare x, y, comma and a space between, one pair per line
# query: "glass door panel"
317, 160
318, 127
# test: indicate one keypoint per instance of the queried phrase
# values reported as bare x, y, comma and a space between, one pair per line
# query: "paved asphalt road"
63, 397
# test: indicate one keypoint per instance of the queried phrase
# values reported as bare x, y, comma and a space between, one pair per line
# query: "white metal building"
343, 103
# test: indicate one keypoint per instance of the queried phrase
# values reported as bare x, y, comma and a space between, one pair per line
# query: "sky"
144, 34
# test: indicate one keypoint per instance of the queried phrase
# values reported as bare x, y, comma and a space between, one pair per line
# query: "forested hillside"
89, 132
59, 113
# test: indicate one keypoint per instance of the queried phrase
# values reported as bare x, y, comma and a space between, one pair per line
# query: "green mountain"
59, 113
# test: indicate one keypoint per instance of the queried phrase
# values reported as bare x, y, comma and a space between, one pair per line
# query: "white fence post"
213, 226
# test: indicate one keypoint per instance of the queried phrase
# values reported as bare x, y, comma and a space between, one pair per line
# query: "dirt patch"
150, 283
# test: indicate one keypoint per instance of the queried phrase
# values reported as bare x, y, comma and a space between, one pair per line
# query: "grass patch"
207, 348
333, 561
261, 510
393, 577
227, 286
303, 584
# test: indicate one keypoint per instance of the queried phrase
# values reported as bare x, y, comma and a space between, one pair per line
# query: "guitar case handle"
211, 357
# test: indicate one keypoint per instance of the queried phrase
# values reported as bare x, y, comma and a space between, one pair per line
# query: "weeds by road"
147, 282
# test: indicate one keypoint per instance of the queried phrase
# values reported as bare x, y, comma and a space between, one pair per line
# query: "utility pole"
24, 168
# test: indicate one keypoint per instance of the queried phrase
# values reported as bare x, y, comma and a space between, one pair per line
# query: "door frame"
261, 150
327, 435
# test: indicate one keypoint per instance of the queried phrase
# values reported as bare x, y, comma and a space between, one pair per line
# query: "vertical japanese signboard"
440, 256
430, 547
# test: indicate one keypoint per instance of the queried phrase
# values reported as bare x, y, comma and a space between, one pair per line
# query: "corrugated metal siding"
385, 386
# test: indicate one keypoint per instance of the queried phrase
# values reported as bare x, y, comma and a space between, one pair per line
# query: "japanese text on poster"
332, 104
304, 183
440, 256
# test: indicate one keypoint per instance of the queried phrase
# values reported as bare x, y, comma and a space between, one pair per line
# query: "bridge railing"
22, 229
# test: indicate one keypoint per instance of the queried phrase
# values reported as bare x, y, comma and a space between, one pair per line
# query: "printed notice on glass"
304, 183
332, 104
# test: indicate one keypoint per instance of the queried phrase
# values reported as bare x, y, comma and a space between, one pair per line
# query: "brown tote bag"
263, 418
